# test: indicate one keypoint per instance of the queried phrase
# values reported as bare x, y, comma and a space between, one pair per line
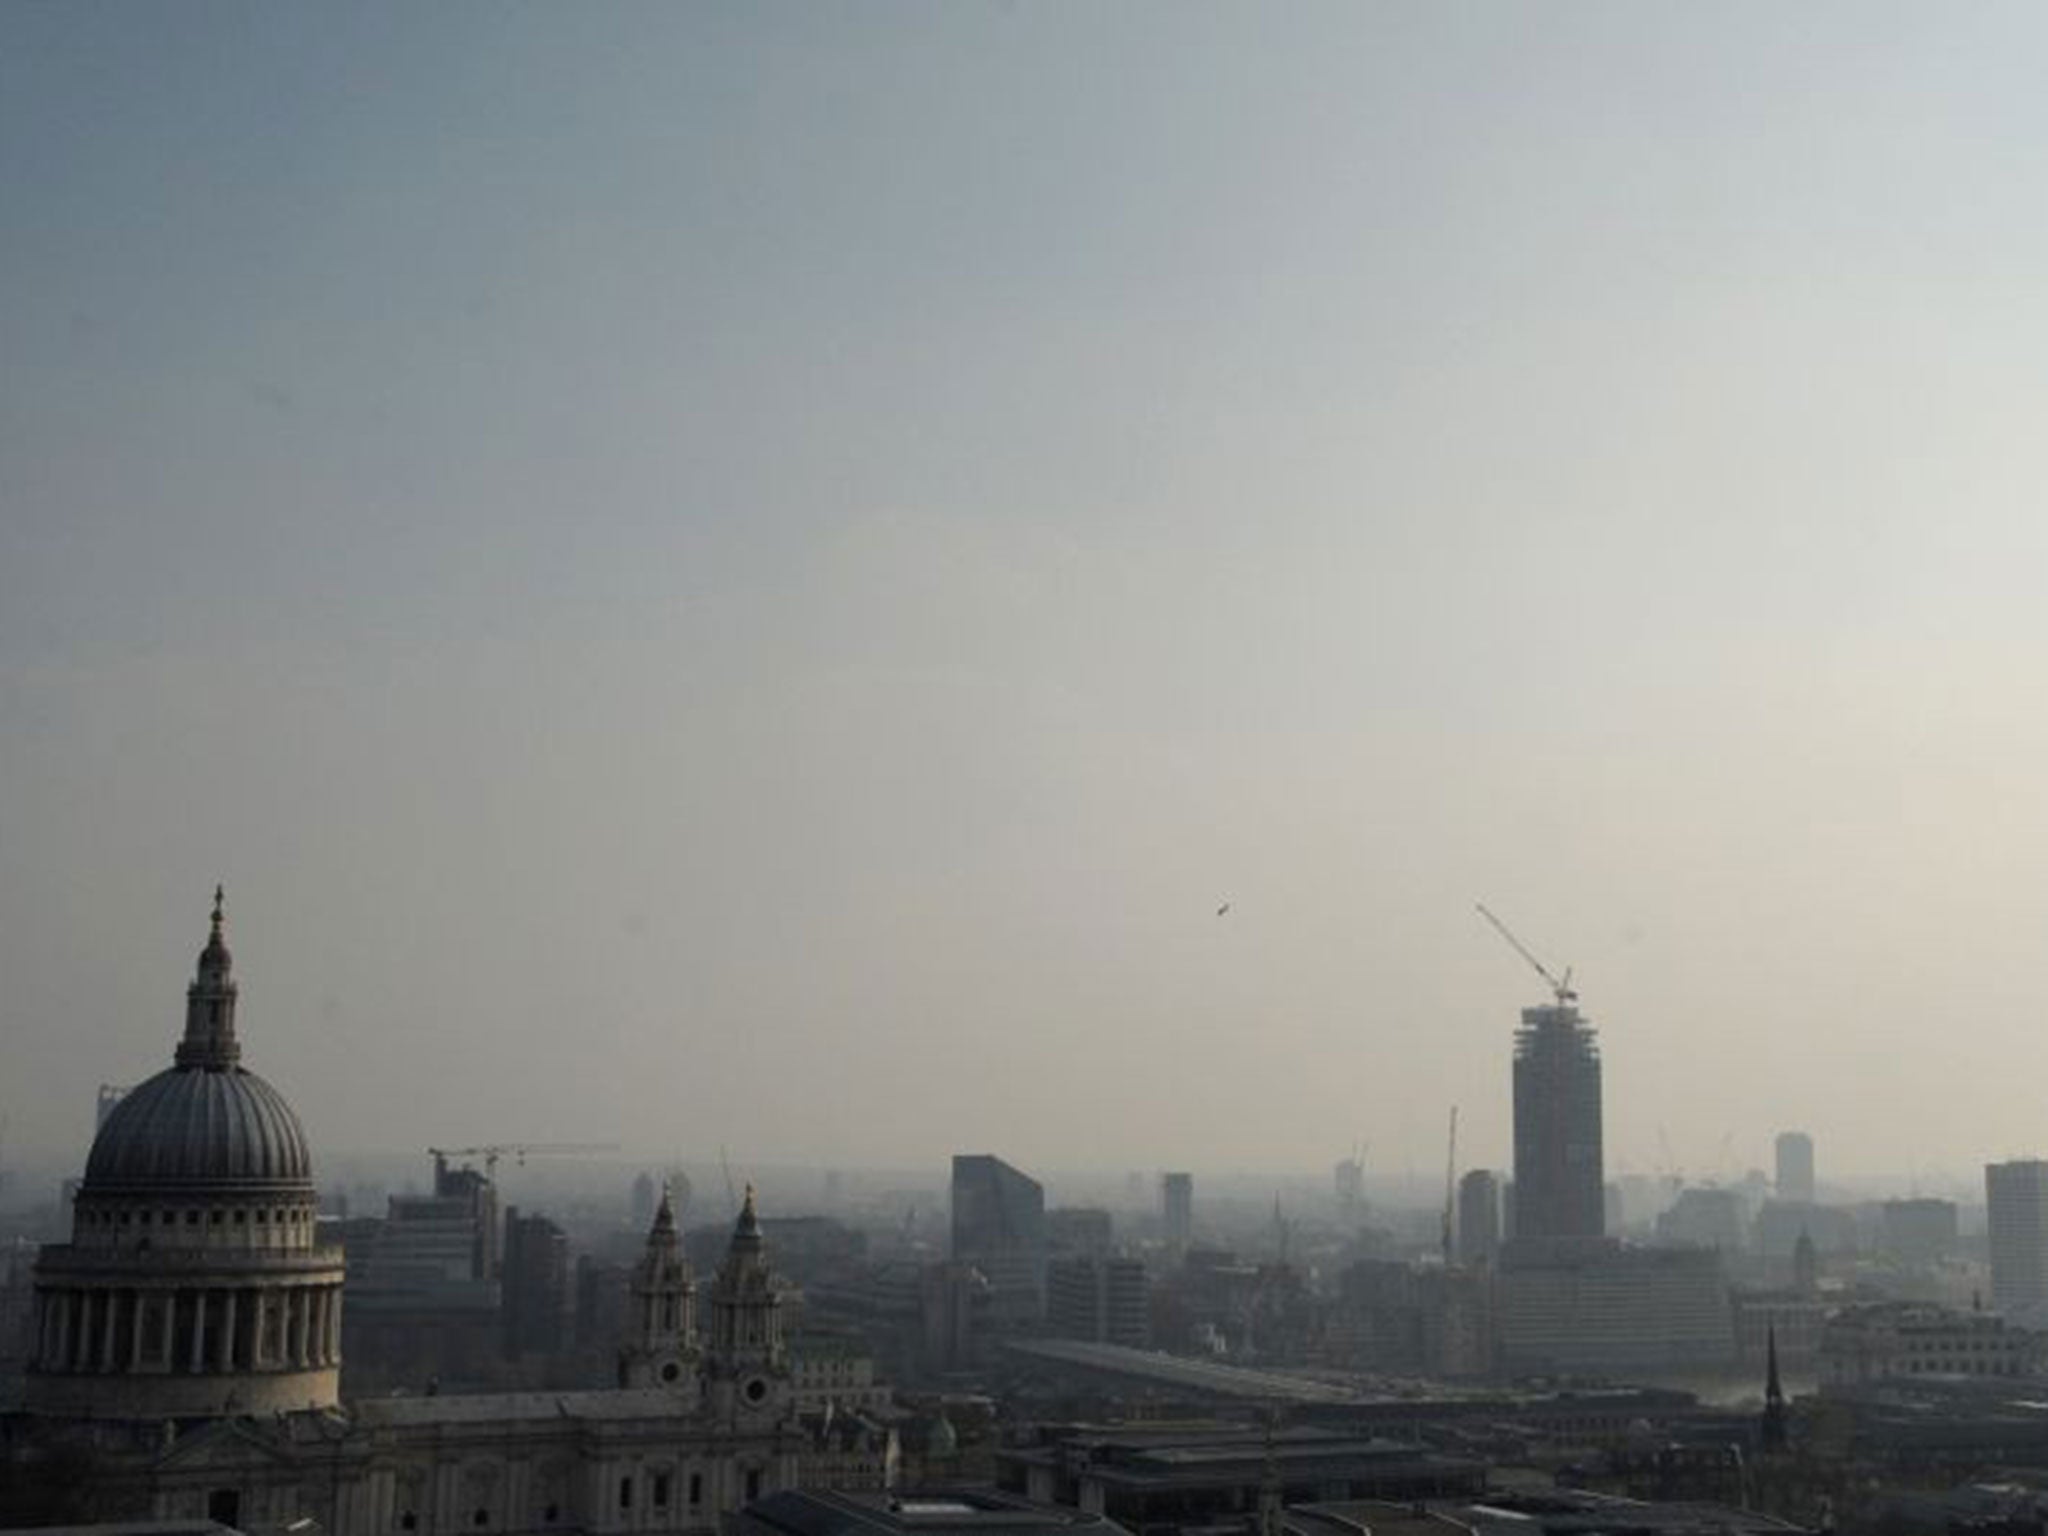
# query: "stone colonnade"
194, 1330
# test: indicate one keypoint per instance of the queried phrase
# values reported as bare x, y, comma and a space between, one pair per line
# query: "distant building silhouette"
1795, 1167
1560, 1191
1478, 1217
2016, 1201
1079, 1229
1177, 1210
1919, 1228
536, 1285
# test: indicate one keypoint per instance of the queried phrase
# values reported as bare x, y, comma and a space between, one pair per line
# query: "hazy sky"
754, 575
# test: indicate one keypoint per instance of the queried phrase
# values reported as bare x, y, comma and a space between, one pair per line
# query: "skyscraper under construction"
1559, 1185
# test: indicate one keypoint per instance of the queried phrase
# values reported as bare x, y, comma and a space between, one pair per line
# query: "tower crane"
519, 1151
1560, 987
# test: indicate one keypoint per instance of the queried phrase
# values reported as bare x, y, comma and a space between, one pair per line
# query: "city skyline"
698, 572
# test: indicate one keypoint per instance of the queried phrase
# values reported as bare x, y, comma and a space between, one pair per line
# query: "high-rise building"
1560, 1190
999, 1228
1177, 1209
2016, 1195
1795, 1167
1478, 1217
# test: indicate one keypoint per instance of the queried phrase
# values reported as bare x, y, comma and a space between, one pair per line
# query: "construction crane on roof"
519, 1151
1560, 987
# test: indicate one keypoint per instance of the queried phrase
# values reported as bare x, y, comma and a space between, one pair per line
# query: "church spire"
209, 1041
1773, 1436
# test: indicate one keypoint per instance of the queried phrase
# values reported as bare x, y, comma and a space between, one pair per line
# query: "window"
625, 1493
753, 1484
408, 1521
660, 1490
696, 1487
481, 1518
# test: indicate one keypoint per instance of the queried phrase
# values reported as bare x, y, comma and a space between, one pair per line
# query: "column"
334, 1325
259, 1335
227, 1331
110, 1317
170, 1330
63, 1359
302, 1327
198, 1332
138, 1302
81, 1334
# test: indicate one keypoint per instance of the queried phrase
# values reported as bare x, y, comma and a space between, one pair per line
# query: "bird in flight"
1223, 909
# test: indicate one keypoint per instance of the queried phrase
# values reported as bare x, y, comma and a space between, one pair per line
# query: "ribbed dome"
189, 1127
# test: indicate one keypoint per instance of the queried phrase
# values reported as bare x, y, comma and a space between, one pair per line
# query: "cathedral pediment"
228, 1445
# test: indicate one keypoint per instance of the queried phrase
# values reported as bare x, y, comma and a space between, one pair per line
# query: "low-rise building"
1906, 1339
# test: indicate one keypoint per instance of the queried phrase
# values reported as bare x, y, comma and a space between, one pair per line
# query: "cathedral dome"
207, 1121
190, 1126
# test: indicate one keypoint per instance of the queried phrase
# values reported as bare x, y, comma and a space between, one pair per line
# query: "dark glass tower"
1559, 1185
999, 1227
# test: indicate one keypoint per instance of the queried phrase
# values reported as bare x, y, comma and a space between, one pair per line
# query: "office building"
1177, 1210
1795, 1168
2016, 1201
1887, 1340
1560, 1189
1099, 1298
1596, 1306
999, 1228
1478, 1217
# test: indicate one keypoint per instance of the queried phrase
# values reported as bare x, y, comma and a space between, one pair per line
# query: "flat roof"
1182, 1371
969, 1512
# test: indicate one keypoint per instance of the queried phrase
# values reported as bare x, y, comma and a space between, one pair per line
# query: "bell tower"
660, 1347
746, 1369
